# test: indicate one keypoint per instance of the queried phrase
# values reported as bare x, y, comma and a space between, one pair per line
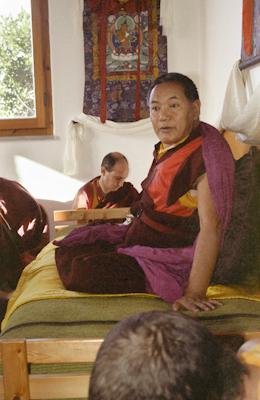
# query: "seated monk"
109, 189
171, 246
24, 231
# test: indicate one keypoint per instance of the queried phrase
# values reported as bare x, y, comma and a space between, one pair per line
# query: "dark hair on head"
189, 87
111, 159
165, 356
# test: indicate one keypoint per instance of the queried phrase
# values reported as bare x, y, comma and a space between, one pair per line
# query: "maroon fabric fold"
89, 234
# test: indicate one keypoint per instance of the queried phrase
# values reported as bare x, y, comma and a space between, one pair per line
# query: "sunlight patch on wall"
44, 182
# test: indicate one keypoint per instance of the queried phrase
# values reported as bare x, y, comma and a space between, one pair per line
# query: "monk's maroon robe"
162, 220
24, 232
125, 196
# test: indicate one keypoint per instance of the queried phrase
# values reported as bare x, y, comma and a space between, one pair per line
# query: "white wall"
204, 43
184, 47
220, 38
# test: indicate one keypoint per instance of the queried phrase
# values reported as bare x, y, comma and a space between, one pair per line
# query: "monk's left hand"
195, 303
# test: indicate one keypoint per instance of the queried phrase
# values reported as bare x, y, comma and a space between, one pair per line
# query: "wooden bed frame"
17, 355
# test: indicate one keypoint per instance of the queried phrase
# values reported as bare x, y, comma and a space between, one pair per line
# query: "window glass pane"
17, 94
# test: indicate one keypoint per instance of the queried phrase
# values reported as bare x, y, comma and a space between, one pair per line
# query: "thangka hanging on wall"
124, 51
250, 50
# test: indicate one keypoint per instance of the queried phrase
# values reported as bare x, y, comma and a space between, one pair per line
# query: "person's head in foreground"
174, 107
249, 354
164, 356
114, 171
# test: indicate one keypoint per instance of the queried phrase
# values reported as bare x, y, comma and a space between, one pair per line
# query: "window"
25, 83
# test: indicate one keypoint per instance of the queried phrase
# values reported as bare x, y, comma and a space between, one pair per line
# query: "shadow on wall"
54, 190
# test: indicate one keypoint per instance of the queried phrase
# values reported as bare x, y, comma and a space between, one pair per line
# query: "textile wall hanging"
124, 51
250, 51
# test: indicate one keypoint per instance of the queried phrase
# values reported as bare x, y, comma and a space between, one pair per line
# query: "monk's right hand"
195, 303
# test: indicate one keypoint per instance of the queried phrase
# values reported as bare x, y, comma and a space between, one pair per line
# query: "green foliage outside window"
17, 97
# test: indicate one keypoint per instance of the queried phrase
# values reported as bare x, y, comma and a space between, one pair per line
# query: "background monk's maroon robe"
125, 196
28, 235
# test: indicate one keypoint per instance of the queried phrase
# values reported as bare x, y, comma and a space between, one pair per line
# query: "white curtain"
88, 141
241, 109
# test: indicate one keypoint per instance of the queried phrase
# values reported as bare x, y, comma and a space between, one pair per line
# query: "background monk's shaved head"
111, 159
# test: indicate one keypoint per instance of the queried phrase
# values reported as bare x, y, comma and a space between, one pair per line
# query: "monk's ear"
103, 170
196, 109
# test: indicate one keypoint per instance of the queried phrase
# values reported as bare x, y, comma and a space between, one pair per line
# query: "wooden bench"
82, 216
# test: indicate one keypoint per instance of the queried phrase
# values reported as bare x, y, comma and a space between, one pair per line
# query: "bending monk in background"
24, 231
171, 247
109, 189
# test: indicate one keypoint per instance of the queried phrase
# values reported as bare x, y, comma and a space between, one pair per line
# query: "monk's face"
173, 115
112, 180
